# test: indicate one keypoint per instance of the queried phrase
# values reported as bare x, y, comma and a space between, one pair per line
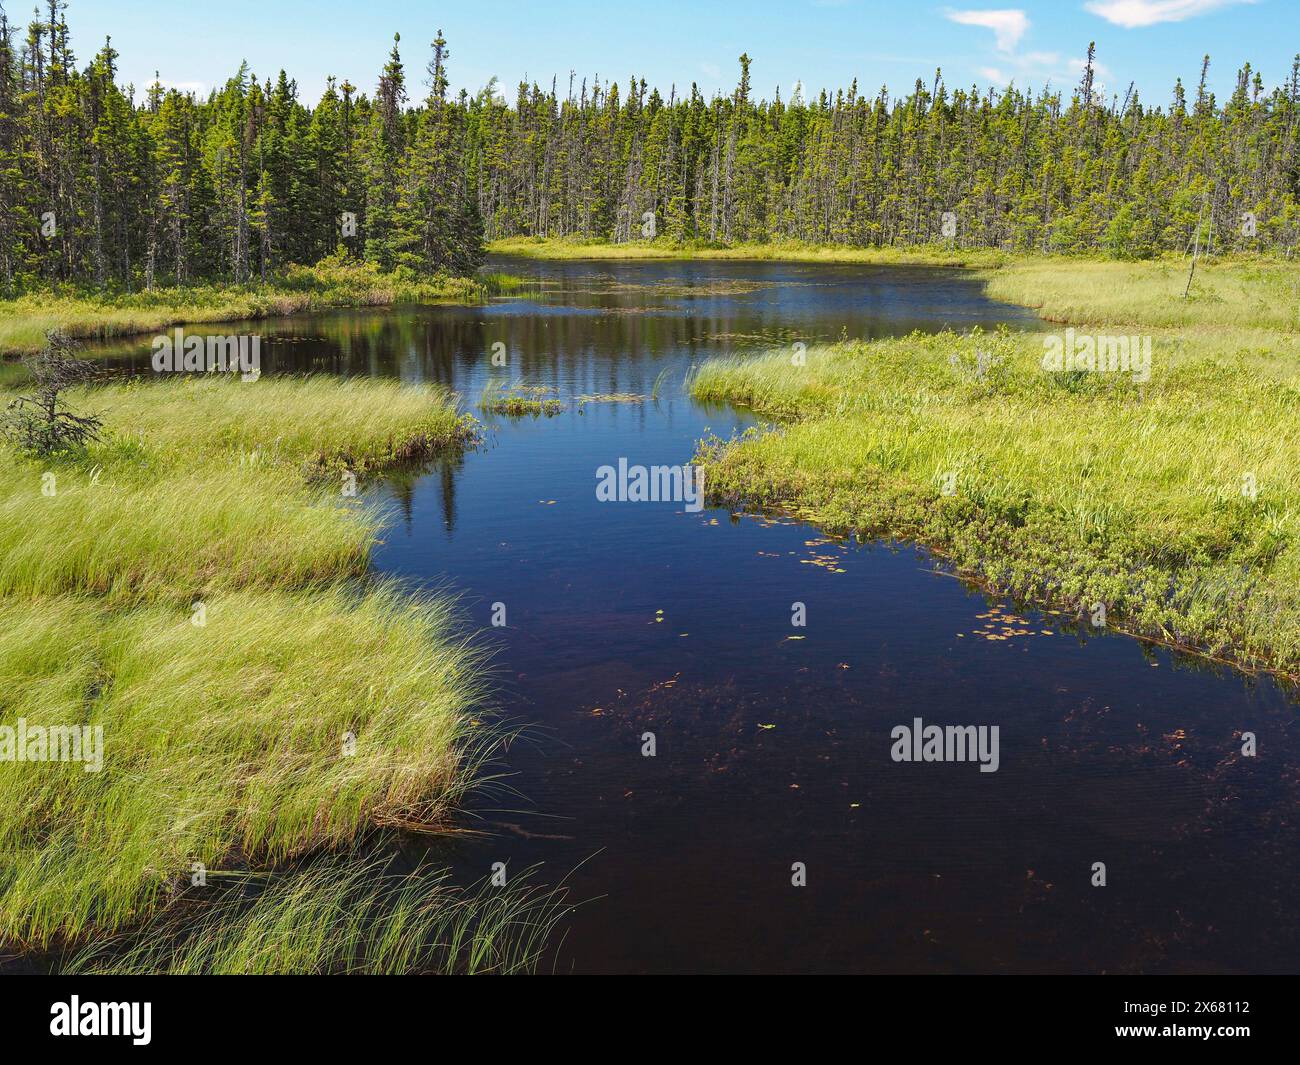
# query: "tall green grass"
202, 484
226, 739
1239, 297
188, 587
1069, 488
336, 918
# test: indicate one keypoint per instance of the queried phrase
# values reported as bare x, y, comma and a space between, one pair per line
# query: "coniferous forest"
111, 184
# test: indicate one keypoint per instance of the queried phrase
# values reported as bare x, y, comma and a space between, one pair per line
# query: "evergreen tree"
102, 188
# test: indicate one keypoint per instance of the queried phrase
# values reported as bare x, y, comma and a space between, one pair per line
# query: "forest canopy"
104, 186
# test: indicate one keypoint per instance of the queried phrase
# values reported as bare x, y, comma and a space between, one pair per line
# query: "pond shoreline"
331, 285
1178, 538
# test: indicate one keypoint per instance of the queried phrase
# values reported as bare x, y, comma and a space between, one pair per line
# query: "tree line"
99, 187
96, 187
1012, 169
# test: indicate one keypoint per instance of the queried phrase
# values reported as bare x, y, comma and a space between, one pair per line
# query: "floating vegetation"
721, 286
519, 399
828, 562
1000, 624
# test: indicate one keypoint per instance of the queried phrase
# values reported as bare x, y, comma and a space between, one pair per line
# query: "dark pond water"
631, 618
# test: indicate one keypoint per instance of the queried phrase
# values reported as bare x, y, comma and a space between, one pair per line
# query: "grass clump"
184, 586
286, 722
1175, 501
332, 918
519, 400
198, 485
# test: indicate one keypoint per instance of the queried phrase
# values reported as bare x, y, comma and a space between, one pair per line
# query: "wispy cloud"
1043, 68
1010, 65
1008, 24
1132, 14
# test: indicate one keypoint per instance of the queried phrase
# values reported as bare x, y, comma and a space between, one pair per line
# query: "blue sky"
823, 43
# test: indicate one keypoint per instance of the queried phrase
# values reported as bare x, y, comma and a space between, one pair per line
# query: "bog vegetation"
1172, 500
188, 583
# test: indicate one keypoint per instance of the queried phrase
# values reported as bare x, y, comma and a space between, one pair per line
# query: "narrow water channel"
630, 618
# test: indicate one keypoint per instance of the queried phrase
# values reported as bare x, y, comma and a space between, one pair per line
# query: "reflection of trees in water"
449, 467
403, 489
451, 345
401, 483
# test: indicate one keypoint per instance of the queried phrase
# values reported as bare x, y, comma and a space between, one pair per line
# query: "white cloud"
1039, 59
1040, 67
1044, 68
1008, 24
1134, 13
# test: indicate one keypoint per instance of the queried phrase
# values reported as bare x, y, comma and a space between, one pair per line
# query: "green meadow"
1173, 501
194, 584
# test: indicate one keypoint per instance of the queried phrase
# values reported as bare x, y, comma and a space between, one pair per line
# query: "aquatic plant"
519, 399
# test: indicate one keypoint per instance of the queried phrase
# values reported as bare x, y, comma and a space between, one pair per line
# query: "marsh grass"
497, 283
329, 284
334, 918
223, 740
361, 424
788, 251
519, 400
1070, 488
660, 378
202, 484
1233, 296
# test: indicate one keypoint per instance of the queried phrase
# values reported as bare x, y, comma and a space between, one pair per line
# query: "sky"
819, 43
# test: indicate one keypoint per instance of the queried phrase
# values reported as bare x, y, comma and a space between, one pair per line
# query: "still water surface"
624, 619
